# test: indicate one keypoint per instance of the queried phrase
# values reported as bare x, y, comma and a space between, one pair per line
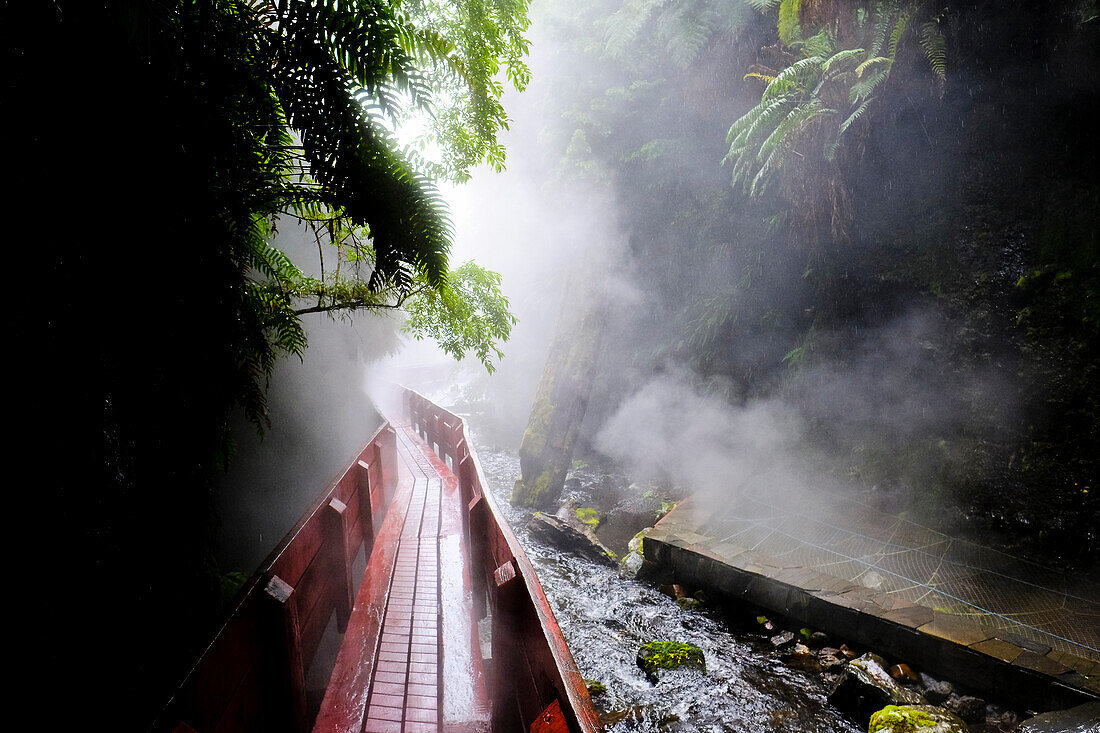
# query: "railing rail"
253, 674
529, 651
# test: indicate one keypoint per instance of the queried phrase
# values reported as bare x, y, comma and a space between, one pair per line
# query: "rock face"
657, 656
865, 686
915, 719
546, 453
1081, 719
571, 537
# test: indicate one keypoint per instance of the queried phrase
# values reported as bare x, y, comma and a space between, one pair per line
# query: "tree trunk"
546, 453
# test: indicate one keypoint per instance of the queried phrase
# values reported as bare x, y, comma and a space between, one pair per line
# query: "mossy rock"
595, 687
657, 656
915, 719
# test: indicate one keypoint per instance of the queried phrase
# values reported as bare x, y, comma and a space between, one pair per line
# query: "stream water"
606, 618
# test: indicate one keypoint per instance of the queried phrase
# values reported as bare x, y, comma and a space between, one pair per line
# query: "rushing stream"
606, 618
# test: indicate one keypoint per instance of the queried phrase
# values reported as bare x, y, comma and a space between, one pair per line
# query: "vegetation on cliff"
159, 148
908, 251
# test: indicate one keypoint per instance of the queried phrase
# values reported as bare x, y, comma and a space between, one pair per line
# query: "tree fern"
935, 50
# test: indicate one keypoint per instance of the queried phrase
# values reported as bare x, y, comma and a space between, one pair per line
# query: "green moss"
595, 687
659, 655
900, 720
525, 495
588, 516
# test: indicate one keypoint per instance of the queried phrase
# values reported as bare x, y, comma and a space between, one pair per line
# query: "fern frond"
790, 27
884, 13
839, 58
624, 25
871, 62
795, 121
864, 89
820, 44
899, 30
763, 77
686, 32
935, 50
795, 76
853, 117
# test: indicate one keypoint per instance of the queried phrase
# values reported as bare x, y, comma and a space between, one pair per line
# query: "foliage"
468, 314
812, 102
318, 90
656, 656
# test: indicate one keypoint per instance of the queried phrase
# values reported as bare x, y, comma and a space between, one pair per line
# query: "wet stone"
865, 686
915, 719
1081, 719
782, 639
800, 657
971, 709
936, 691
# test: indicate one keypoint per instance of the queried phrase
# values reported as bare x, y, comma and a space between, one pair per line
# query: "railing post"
284, 639
366, 512
337, 531
387, 457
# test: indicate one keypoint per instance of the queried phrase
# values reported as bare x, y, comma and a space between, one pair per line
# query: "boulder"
657, 656
936, 691
865, 686
569, 537
915, 719
970, 709
631, 565
1081, 719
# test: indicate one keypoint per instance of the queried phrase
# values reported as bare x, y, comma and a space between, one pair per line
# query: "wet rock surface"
971, 709
865, 687
569, 537
751, 683
606, 619
915, 719
1081, 719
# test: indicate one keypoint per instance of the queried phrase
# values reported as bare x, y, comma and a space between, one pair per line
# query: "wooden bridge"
406, 567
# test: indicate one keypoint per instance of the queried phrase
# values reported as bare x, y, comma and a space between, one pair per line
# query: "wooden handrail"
252, 675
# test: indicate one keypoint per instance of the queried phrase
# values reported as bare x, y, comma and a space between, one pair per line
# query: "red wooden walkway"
439, 559
394, 675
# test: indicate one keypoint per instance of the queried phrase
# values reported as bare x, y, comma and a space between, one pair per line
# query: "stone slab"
998, 649
953, 628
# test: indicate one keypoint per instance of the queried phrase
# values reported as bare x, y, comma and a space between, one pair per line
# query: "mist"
742, 345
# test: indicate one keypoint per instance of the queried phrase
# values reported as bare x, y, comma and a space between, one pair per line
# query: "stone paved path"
816, 556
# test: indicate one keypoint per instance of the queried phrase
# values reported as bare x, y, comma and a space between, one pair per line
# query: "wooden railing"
253, 675
532, 670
